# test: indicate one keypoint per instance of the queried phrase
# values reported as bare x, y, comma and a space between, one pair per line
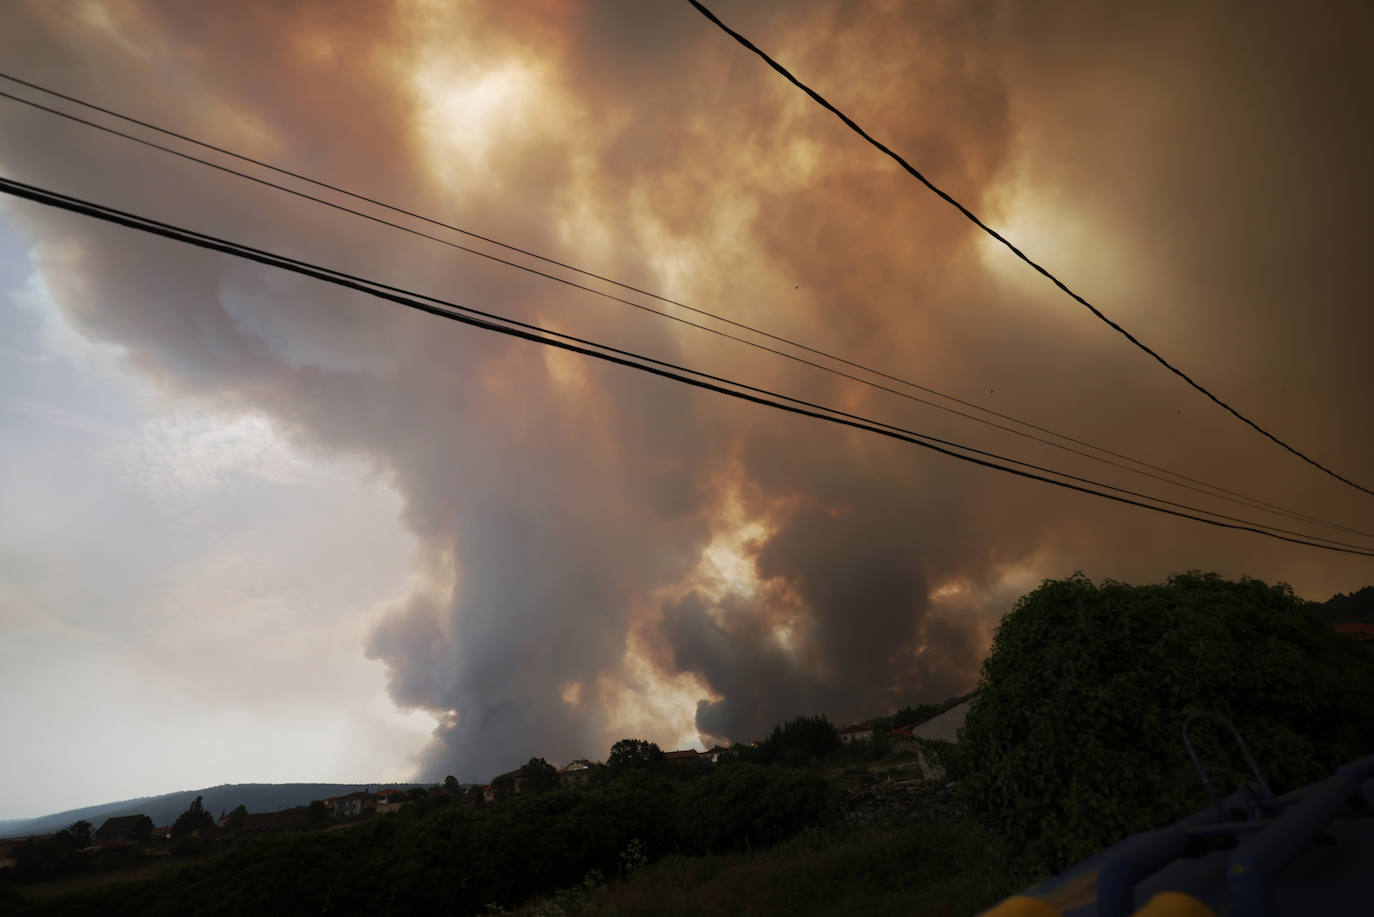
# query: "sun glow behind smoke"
463, 114
648, 699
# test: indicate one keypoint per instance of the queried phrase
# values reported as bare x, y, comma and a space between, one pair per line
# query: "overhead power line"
491, 322
1184, 481
849, 122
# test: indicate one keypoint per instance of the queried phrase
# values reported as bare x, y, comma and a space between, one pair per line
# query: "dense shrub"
746, 805
1074, 738
799, 742
947, 756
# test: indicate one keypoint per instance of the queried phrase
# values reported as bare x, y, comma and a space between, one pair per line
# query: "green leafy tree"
503, 787
749, 805
1358, 607
538, 776
476, 796
317, 813
237, 818
633, 754
193, 819
452, 786
77, 836
802, 741
1074, 739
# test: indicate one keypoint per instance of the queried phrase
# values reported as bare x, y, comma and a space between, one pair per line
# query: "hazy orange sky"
258, 528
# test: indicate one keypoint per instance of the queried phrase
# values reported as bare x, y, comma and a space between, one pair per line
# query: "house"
687, 756
944, 726
1360, 631
510, 778
902, 735
116, 832
855, 734
274, 822
714, 754
388, 801
350, 806
577, 773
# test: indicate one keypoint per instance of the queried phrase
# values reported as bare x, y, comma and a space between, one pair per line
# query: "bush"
1074, 741
747, 806
946, 756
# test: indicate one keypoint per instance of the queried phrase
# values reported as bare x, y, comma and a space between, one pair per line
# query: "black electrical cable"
206, 241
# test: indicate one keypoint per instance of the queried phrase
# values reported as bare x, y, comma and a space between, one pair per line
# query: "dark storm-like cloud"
565, 506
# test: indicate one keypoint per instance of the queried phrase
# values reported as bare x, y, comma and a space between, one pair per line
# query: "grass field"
919, 869
42, 890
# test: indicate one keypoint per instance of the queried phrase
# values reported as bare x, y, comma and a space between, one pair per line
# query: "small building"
685, 756
715, 753
856, 733
577, 773
274, 822
389, 801
944, 726
116, 832
350, 806
1360, 631
510, 778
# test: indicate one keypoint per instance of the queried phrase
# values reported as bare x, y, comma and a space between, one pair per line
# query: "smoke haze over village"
258, 528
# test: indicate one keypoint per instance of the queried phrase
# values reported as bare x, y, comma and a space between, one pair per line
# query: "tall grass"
924, 869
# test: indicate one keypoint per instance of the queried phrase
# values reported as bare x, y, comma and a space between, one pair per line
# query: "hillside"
163, 809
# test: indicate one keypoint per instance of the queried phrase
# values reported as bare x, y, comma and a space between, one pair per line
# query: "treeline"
439, 856
1355, 608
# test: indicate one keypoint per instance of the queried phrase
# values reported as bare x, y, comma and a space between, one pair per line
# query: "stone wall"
900, 802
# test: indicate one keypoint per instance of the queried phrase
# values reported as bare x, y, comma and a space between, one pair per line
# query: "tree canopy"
538, 776
1074, 740
1357, 607
633, 754
193, 819
798, 742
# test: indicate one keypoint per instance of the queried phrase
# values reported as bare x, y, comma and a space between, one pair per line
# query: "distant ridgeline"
163, 810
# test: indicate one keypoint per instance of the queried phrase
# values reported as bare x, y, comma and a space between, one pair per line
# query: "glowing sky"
257, 529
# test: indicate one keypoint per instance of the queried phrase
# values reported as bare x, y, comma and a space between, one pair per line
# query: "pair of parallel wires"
491, 322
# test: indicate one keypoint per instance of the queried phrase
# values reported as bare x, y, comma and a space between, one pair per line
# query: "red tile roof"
682, 755
1358, 630
848, 730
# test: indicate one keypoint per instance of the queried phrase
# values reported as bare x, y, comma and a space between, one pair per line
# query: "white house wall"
946, 727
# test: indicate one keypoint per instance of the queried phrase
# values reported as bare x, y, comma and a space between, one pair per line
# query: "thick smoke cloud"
568, 509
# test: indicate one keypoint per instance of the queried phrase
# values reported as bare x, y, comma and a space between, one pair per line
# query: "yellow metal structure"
1023, 906
1175, 904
